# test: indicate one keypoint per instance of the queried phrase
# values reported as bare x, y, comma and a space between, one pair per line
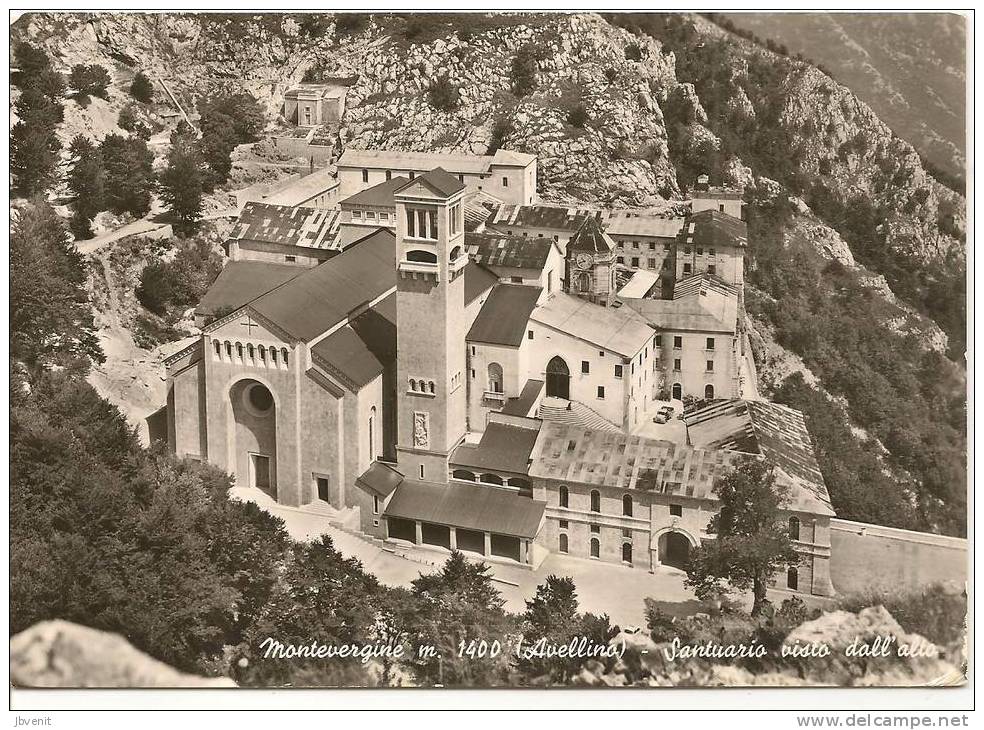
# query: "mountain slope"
909, 67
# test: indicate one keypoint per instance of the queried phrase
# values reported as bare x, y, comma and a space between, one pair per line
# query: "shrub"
350, 23
525, 64
142, 89
933, 612
502, 128
88, 80
443, 95
633, 52
577, 116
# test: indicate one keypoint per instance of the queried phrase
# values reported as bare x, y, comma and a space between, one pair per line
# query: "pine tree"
129, 174
219, 139
182, 181
86, 180
142, 89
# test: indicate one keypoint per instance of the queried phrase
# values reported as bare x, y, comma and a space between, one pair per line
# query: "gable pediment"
245, 325
418, 189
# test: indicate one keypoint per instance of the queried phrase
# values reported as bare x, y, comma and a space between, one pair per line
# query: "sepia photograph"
570, 349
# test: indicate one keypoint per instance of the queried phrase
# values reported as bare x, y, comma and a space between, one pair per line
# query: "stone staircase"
575, 414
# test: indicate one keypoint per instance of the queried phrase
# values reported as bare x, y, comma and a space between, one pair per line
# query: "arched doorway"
677, 391
253, 435
558, 378
708, 392
674, 549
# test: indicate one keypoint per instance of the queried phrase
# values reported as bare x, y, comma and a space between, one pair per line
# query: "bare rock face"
64, 654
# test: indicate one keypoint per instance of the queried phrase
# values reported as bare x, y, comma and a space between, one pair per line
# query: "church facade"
450, 407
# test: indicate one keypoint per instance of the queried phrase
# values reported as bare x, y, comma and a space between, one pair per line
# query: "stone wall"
872, 558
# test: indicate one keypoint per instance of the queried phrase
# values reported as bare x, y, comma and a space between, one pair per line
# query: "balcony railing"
495, 395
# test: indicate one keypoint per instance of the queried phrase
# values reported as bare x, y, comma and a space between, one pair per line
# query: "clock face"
584, 261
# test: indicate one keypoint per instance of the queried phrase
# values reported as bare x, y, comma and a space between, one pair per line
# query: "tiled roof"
639, 284
304, 189
540, 216
380, 479
713, 228
514, 252
504, 447
398, 160
362, 349
479, 204
590, 237
467, 506
697, 306
620, 330
287, 225
503, 318
319, 298
776, 432
378, 195
572, 453
241, 281
624, 223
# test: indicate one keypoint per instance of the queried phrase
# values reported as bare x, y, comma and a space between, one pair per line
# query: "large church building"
472, 393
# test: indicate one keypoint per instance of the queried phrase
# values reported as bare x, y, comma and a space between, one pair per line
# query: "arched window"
491, 479
595, 500
372, 433
792, 579
584, 282
262, 351
677, 391
283, 351
495, 377
239, 350
413, 384
708, 392
627, 505
421, 257
431, 384
228, 349
595, 548
273, 355
563, 542
218, 348
627, 552
455, 253
794, 528
463, 474
251, 350
564, 496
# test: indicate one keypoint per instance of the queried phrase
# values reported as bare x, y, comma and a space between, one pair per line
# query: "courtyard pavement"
616, 590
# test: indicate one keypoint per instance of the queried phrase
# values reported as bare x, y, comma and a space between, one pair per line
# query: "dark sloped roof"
504, 447
522, 405
478, 280
439, 180
513, 251
377, 195
362, 349
540, 216
241, 281
714, 228
503, 318
379, 479
590, 237
469, 507
309, 304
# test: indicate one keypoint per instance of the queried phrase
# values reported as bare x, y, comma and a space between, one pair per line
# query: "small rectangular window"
389, 174
711, 252
620, 259
710, 366
375, 504
700, 250
365, 176
384, 216
658, 341
712, 269
601, 392
585, 367
652, 246
627, 532
357, 214
290, 259
563, 524
618, 371
676, 365
505, 182
635, 262
412, 174
421, 471
687, 268
596, 529
710, 343
666, 247
677, 342
676, 510
686, 250
529, 334
516, 279
370, 215
652, 263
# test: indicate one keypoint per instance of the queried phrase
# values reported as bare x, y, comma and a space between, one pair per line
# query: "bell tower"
591, 264
431, 328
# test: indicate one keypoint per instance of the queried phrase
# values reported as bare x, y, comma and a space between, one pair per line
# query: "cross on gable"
249, 324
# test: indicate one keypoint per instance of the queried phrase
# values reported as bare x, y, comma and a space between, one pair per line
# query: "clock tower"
431, 324
591, 264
